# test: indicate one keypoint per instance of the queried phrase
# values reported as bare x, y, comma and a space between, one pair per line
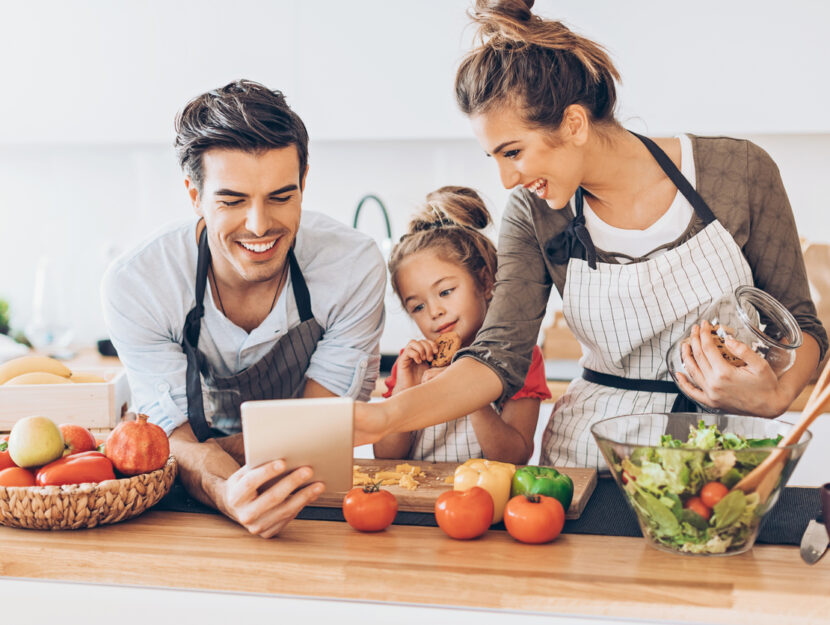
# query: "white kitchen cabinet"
95, 71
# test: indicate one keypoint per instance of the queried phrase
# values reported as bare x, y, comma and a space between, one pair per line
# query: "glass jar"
752, 317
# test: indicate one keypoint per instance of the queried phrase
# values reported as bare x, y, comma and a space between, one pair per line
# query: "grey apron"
280, 374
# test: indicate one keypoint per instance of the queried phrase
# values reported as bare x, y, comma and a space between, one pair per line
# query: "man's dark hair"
242, 115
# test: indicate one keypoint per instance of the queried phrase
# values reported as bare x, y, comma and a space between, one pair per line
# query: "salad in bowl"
677, 472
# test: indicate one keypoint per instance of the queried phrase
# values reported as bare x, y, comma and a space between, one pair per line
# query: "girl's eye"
511, 153
417, 308
446, 292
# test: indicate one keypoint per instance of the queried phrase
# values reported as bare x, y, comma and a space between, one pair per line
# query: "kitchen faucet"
386, 244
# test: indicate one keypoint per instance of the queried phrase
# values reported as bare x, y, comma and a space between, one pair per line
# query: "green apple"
35, 441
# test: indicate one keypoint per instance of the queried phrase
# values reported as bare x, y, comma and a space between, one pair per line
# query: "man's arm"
212, 476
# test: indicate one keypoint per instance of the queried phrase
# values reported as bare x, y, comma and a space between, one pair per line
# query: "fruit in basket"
88, 466
16, 476
76, 439
35, 441
37, 377
137, 446
32, 364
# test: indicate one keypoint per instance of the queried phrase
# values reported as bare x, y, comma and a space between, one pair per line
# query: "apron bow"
573, 241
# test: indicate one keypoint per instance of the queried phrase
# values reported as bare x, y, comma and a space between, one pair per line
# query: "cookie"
719, 334
448, 344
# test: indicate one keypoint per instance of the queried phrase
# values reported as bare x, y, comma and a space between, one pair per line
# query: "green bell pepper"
547, 481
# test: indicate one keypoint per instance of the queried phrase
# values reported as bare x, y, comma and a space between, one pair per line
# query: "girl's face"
550, 165
441, 296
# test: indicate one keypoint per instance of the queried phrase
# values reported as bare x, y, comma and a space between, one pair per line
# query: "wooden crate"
95, 406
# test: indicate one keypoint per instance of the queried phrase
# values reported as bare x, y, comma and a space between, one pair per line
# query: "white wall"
90, 89
81, 204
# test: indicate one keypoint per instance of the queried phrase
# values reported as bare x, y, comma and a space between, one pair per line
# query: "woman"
637, 235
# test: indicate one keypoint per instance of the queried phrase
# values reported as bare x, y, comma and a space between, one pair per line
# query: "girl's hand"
413, 362
432, 372
752, 389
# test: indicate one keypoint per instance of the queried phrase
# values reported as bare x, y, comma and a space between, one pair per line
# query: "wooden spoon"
763, 478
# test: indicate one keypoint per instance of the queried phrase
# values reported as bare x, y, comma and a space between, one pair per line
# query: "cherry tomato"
464, 514
87, 466
696, 505
369, 509
17, 476
6, 460
534, 518
712, 493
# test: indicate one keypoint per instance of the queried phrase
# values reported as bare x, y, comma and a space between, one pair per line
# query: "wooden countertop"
576, 574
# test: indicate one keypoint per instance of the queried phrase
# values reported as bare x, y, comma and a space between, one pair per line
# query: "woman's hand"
431, 373
752, 389
414, 362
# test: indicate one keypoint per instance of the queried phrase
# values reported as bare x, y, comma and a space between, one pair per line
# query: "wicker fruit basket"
77, 506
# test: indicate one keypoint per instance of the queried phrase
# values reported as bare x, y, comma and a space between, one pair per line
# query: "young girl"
443, 271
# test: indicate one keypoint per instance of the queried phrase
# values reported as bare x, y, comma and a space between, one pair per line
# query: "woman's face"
549, 164
441, 296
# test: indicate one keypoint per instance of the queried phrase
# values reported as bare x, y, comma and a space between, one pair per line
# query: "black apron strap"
683, 185
681, 404
300, 288
190, 345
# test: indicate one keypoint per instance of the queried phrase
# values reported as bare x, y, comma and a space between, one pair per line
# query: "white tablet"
304, 432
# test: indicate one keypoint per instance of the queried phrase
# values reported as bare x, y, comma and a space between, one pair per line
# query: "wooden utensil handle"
811, 411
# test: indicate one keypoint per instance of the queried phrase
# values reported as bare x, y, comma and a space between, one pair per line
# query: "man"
253, 300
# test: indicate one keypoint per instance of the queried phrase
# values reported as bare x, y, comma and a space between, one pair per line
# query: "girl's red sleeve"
392, 379
536, 385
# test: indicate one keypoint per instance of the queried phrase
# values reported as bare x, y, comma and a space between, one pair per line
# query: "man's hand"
752, 389
266, 513
414, 362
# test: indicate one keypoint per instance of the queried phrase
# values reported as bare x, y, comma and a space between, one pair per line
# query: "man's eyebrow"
280, 191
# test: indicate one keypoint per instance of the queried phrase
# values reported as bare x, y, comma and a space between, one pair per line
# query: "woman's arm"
464, 387
507, 437
753, 389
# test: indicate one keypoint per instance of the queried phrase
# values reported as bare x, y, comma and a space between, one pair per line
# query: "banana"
32, 364
85, 378
37, 377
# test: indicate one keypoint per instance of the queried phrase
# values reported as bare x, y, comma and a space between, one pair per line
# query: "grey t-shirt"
740, 183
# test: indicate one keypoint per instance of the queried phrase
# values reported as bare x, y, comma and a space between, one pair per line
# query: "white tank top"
638, 243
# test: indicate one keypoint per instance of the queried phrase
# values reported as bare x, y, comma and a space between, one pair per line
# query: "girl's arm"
507, 437
395, 446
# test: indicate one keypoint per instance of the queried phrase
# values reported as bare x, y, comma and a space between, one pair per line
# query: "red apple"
77, 439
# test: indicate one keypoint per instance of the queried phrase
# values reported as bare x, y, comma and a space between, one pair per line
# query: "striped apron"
280, 374
627, 316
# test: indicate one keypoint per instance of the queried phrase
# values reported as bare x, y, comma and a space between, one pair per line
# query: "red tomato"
712, 493
6, 460
87, 466
16, 476
464, 514
369, 509
534, 519
696, 505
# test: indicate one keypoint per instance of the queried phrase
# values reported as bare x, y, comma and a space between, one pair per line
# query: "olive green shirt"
742, 186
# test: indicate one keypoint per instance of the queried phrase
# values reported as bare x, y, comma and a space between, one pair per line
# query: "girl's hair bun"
452, 206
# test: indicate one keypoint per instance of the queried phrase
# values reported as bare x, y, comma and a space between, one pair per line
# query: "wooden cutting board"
423, 498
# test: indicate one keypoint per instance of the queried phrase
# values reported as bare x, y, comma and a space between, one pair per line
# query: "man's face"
251, 205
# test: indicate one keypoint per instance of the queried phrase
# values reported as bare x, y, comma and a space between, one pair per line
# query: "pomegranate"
137, 446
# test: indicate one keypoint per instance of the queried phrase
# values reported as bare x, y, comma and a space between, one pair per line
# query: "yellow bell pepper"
494, 477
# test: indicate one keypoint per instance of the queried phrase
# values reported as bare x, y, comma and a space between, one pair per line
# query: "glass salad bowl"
676, 471
754, 318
